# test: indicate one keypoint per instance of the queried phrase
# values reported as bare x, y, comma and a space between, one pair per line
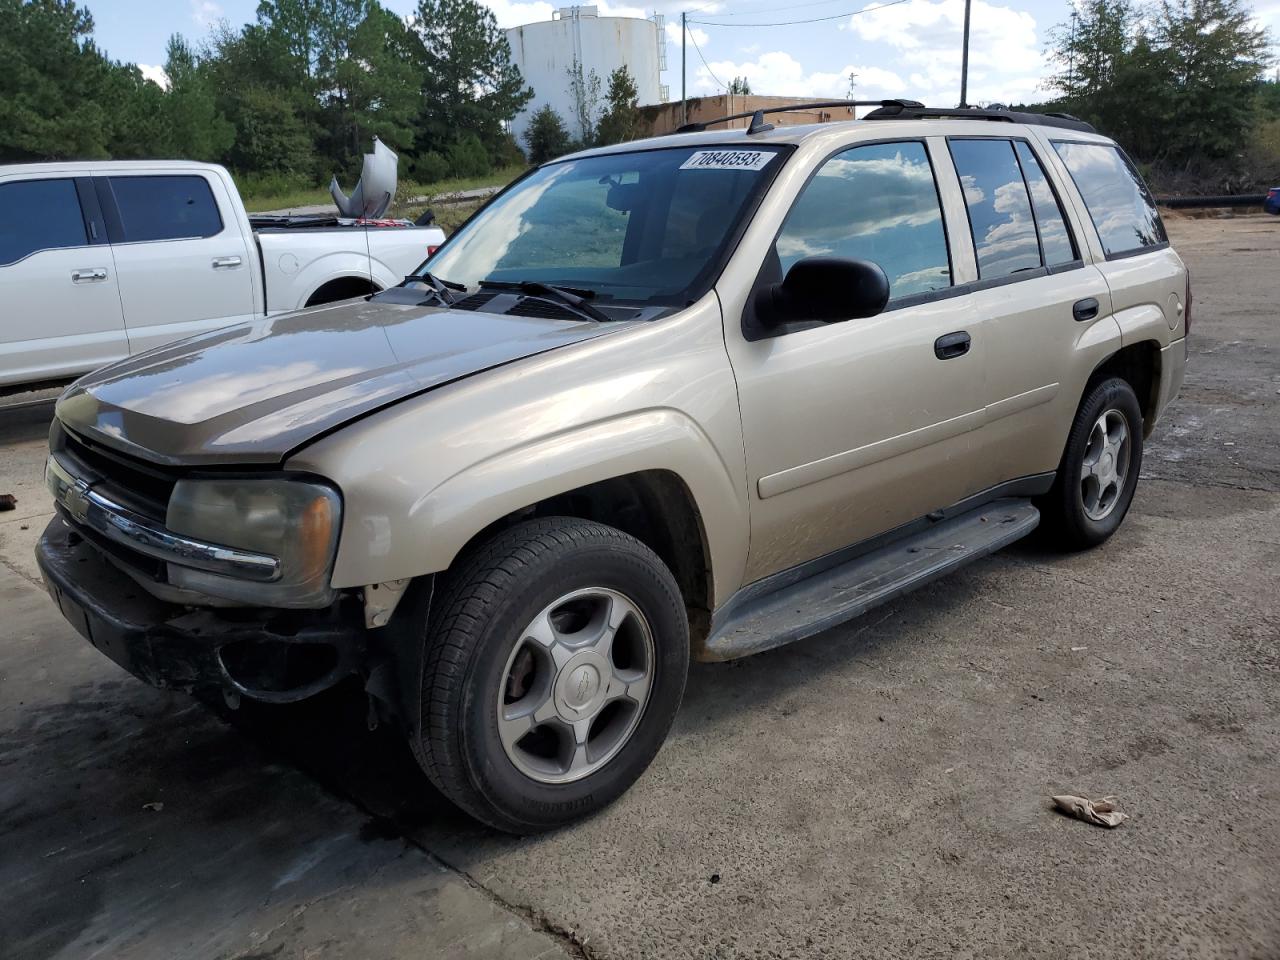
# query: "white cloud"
1005, 57
155, 74
777, 73
205, 13
699, 35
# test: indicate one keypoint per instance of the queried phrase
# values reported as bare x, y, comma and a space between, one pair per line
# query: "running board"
831, 597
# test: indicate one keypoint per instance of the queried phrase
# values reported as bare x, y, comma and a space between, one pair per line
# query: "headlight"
296, 521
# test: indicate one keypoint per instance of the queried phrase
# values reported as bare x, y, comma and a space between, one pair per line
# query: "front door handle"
91, 275
1085, 309
225, 263
951, 345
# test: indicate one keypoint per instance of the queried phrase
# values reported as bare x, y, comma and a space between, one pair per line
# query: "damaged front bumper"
275, 656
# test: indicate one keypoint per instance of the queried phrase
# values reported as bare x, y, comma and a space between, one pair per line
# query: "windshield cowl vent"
542, 309
474, 301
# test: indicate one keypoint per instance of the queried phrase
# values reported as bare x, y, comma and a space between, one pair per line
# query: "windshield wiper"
439, 287
575, 298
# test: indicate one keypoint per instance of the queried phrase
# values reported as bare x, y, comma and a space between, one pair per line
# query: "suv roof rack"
916, 111
901, 110
757, 116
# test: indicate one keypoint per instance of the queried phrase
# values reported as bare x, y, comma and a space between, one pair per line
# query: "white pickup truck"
101, 260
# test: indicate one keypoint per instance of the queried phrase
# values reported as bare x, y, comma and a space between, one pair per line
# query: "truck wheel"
556, 657
1099, 470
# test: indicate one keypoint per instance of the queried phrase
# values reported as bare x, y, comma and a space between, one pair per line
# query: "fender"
293, 292
441, 522
1145, 321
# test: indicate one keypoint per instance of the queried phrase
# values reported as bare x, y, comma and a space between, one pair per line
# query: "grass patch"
448, 216
271, 196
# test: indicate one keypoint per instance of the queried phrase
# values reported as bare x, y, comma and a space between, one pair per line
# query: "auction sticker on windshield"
728, 160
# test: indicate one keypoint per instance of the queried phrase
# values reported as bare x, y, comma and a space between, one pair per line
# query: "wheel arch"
657, 508
1138, 364
342, 288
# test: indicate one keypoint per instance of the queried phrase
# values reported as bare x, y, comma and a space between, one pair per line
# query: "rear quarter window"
165, 208
1121, 207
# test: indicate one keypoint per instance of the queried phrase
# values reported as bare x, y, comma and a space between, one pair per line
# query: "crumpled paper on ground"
1101, 812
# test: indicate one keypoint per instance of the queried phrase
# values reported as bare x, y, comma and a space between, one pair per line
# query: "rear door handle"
951, 345
1085, 309
91, 275
225, 263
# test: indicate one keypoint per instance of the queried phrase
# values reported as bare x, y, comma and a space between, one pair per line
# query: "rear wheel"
555, 662
1099, 471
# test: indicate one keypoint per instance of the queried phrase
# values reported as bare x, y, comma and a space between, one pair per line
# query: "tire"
488, 659
1073, 514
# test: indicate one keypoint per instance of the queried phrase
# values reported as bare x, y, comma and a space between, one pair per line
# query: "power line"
704, 61
787, 23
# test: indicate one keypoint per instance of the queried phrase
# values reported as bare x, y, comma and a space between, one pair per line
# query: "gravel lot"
881, 790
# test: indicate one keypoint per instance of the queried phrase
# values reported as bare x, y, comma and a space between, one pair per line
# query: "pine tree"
469, 83
195, 127
621, 118
546, 136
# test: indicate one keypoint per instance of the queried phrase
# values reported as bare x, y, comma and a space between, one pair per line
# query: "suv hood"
253, 392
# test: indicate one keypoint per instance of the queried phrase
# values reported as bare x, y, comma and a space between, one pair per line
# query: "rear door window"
876, 202
39, 215
1119, 203
1055, 237
1000, 217
165, 208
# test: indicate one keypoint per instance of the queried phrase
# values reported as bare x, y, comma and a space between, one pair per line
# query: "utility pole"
684, 103
964, 60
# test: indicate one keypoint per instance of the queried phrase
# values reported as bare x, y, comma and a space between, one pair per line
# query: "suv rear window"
1118, 201
165, 208
39, 215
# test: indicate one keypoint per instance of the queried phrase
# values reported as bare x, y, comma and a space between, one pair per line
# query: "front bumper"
274, 656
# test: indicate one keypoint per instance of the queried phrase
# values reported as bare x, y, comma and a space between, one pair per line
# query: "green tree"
1215, 55
196, 129
257, 87
1090, 51
622, 109
376, 89
467, 157
1176, 83
584, 90
139, 126
469, 83
740, 86
546, 136
52, 82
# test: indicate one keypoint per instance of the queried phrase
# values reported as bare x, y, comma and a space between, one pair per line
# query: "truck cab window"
39, 215
165, 208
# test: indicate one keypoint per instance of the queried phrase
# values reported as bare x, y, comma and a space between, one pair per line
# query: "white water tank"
545, 52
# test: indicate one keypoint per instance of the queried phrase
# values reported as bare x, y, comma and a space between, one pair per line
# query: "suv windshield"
645, 227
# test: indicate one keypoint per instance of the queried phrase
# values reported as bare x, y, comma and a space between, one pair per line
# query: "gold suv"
688, 397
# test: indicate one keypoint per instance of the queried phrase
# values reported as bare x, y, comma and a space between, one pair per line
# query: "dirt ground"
879, 791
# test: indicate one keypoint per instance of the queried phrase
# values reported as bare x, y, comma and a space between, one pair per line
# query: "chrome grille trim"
114, 521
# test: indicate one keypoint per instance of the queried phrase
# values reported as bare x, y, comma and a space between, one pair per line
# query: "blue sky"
908, 49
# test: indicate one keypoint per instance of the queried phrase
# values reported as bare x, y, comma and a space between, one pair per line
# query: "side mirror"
829, 289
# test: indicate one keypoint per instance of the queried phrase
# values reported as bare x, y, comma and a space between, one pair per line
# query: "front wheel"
1099, 471
555, 662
